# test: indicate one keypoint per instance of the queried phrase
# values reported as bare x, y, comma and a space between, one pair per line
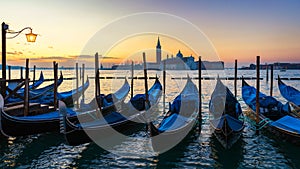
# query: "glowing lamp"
31, 37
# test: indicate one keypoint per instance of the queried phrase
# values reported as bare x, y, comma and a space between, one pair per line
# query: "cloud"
14, 53
109, 57
92, 57
82, 56
49, 58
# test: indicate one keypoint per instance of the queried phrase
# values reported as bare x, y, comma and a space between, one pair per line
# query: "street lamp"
31, 37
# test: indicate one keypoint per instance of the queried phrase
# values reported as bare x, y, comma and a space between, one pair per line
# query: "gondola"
129, 119
288, 92
12, 86
110, 102
34, 93
34, 124
274, 116
68, 97
226, 112
179, 120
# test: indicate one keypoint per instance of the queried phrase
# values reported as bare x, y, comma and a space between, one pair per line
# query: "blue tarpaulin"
289, 93
48, 116
288, 123
172, 122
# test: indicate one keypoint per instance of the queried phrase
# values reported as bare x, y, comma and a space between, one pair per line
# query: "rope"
253, 124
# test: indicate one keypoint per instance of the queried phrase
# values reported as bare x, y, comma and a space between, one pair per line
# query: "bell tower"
158, 52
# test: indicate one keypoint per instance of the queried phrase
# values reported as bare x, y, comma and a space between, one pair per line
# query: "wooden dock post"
83, 67
9, 72
200, 92
271, 85
26, 92
77, 85
132, 74
165, 85
235, 78
257, 92
55, 66
33, 80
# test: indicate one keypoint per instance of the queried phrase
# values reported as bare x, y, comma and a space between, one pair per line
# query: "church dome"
179, 54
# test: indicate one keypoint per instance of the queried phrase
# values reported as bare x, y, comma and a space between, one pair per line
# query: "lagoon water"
198, 151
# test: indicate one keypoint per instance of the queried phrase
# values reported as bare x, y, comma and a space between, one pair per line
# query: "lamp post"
31, 37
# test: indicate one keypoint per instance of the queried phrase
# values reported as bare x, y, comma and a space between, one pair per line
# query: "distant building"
174, 63
276, 66
158, 52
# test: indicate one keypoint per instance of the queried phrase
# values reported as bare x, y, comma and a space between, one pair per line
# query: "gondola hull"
124, 122
289, 93
165, 141
34, 94
110, 134
20, 126
273, 116
68, 97
179, 122
225, 110
227, 141
35, 124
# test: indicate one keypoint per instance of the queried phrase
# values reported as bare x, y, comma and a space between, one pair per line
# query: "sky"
120, 30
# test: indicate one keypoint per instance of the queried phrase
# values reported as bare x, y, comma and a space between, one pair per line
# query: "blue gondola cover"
288, 123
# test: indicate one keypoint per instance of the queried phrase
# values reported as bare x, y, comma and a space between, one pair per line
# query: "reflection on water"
198, 151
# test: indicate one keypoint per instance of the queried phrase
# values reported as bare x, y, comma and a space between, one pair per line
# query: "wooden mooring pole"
9, 72
147, 104
235, 78
34, 67
271, 85
26, 93
257, 92
55, 67
200, 92
132, 74
165, 85
146, 78
77, 85
21, 72
267, 73
97, 83
83, 67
